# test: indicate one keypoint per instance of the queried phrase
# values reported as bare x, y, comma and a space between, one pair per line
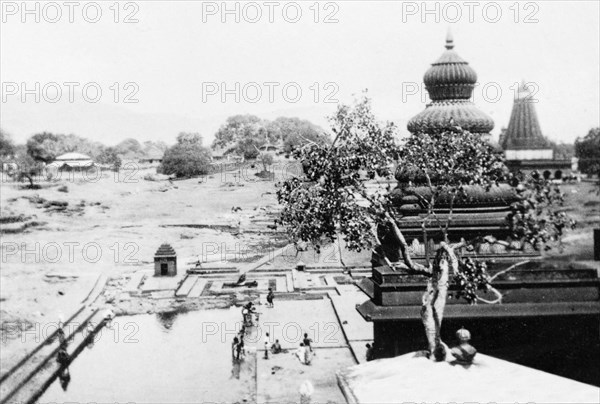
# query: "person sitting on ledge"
464, 352
276, 347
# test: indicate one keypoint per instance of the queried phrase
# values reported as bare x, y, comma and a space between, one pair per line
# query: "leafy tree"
563, 151
45, 146
188, 137
110, 157
130, 148
587, 150
158, 145
266, 159
7, 146
184, 160
26, 167
333, 198
78, 144
296, 132
243, 134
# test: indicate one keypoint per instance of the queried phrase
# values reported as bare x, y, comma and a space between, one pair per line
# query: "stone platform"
415, 379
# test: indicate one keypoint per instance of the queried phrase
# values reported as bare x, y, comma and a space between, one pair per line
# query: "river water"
182, 358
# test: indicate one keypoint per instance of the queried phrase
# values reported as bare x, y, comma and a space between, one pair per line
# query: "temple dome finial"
450, 82
449, 40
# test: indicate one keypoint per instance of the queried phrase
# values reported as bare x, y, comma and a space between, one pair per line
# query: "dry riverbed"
58, 241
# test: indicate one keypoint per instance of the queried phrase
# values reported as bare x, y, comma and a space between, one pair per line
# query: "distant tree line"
28, 160
241, 134
245, 134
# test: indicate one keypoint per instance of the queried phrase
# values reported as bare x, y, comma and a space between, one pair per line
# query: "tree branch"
510, 268
414, 267
498, 299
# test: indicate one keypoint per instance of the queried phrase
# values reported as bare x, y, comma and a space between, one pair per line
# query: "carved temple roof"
165, 250
524, 132
450, 82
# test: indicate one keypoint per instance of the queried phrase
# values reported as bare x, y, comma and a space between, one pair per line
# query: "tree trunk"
434, 300
432, 311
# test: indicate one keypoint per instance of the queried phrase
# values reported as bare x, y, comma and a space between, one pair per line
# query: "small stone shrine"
165, 261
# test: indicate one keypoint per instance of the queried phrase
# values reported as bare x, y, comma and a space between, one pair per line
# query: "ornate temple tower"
523, 139
450, 82
525, 147
541, 304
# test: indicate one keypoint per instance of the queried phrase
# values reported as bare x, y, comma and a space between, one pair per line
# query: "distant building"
226, 155
525, 146
165, 261
72, 162
152, 156
276, 148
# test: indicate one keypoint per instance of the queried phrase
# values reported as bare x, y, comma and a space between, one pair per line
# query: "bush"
185, 160
63, 189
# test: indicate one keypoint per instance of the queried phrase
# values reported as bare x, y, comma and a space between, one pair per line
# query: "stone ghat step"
198, 288
535, 295
186, 286
215, 270
517, 276
375, 313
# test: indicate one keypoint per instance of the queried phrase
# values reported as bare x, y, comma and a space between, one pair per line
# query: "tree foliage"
44, 147
245, 134
587, 150
345, 190
189, 137
26, 166
109, 156
7, 146
266, 160
186, 159
129, 148
296, 132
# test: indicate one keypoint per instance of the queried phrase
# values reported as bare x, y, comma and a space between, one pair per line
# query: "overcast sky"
176, 50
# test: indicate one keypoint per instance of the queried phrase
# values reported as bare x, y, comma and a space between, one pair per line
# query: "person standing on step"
267, 345
239, 349
307, 343
234, 346
270, 297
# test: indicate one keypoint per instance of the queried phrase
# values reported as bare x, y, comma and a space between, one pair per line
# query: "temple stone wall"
170, 264
540, 154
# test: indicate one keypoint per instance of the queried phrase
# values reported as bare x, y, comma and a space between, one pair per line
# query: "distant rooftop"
73, 157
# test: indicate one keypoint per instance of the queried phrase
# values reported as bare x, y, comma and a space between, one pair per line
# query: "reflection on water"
151, 358
65, 378
167, 319
236, 367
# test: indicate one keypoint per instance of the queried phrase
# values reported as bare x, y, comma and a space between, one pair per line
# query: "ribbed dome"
442, 114
450, 82
450, 77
